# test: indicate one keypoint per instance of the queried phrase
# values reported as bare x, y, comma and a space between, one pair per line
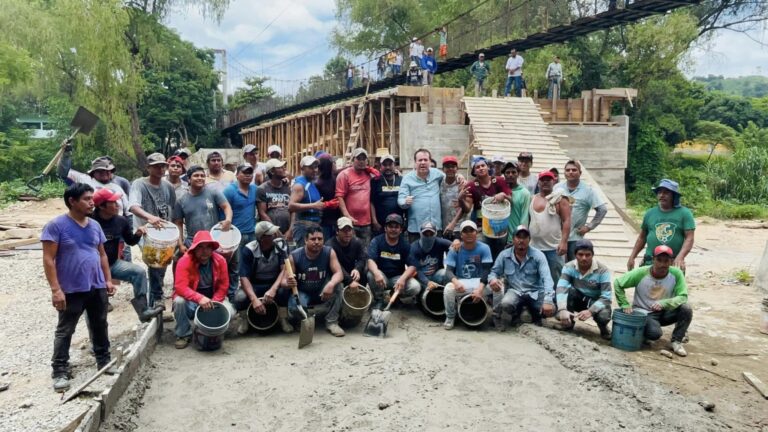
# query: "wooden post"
569, 107
391, 123
381, 123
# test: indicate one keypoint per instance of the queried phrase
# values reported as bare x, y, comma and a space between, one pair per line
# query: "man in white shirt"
514, 73
554, 78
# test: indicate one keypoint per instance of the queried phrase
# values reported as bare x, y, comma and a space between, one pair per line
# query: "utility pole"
223, 72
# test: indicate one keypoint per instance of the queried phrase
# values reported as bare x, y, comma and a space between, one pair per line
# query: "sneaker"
182, 342
686, 339
677, 347
335, 330
285, 326
448, 324
60, 384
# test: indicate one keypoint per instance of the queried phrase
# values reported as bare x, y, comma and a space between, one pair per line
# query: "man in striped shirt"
584, 290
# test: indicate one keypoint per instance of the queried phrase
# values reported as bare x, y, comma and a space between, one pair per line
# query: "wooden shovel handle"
289, 272
392, 299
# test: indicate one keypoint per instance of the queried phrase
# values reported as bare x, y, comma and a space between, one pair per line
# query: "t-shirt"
327, 189
667, 228
205, 283
391, 260
276, 199
467, 264
427, 263
531, 182
155, 200
479, 193
355, 188
78, 262
384, 197
351, 257
243, 207
116, 229
585, 198
199, 212
518, 215
449, 199
515, 62
218, 184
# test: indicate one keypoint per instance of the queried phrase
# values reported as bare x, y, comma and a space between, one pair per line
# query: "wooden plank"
756, 383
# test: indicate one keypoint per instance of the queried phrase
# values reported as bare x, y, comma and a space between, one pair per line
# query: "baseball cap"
525, 155
394, 217
249, 148
265, 227
583, 244
344, 222
359, 151
102, 164
468, 224
429, 49
308, 161
156, 159
450, 159
546, 174
274, 163
274, 148
212, 155
428, 226
387, 157
481, 55
663, 250
498, 158
522, 228
244, 167
511, 164
184, 152
106, 195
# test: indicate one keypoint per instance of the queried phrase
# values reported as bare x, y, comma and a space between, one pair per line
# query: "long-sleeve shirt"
351, 257
426, 198
115, 229
554, 70
187, 278
428, 63
531, 276
428, 263
670, 291
596, 285
480, 70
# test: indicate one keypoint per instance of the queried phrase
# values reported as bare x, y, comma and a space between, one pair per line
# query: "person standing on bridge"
429, 66
416, 50
413, 77
583, 198
554, 78
514, 73
350, 82
480, 71
398, 65
443, 33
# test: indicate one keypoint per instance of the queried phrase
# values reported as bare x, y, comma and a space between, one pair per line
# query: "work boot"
111, 371
335, 330
145, 313
60, 384
498, 324
242, 325
285, 325
677, 347
182, 342
605, 333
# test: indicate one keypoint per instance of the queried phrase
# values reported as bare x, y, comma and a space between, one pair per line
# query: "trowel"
83, 122
307, 325
379, 321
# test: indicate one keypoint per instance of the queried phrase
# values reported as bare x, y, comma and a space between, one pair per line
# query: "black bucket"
263, 323
472, 314
432, 302
206, 343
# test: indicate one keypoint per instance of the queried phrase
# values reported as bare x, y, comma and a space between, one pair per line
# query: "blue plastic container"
628, 330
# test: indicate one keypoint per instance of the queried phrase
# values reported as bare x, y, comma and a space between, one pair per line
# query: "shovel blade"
84, 120
307, 331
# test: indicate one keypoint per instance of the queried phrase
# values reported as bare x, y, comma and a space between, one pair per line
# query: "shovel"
83, 122
379, 320
307, 329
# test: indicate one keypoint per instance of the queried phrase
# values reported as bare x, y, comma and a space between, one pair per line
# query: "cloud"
731, 54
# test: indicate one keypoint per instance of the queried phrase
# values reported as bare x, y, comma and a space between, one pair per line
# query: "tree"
715, 134
255, 91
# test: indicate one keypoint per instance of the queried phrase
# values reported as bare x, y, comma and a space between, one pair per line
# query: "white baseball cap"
274, 148
308, 160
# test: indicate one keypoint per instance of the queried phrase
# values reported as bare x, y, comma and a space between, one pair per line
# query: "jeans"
513, 302
363, 233
156, 278
680, 317
94, 303
410, 291
242, 301
396, 69
553, 81
350, 83
479, 87
451, 298
555, 263
330, 307
132, 273
518, 80
439, 277
233, 267
578, 302
184, 313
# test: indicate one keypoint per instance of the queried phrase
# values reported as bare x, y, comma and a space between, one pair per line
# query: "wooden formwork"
328, 128
594, 106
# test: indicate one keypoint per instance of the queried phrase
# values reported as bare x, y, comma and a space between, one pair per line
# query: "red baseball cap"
663, 249
106, 195
450, 159
549, 174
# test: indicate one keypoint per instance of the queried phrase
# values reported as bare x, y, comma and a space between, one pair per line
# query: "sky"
289, 41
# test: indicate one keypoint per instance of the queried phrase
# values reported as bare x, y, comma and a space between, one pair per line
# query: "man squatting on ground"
388, 264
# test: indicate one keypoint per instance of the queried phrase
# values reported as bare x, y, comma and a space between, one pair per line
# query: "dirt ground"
420, 377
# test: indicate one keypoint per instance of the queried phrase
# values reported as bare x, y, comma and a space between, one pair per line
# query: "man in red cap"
550, 214
660, 293
201, 278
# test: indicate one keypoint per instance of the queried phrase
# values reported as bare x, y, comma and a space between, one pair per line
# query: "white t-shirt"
515, 62
399, 59
419, 49
554, 70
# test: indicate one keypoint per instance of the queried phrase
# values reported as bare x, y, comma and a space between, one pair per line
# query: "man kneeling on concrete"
467, 269
426, 257
526, 281
662, 294
584, 290
261, 272
317, 277
387, 264
201, 278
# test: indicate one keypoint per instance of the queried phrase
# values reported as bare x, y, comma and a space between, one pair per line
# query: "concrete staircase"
508, 126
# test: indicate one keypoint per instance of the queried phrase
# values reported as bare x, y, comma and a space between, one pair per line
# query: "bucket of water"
159, 245
229, 241
265, 322
472, 314
495, 218
432, 302
354, 305
628, 330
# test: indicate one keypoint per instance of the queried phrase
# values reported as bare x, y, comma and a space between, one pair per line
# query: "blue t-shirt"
467, 264
391, 260
427, 263
243, 207
78, 263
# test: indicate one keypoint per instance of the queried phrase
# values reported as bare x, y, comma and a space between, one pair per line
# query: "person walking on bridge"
554, 78
514, 73
429, 66
480, 71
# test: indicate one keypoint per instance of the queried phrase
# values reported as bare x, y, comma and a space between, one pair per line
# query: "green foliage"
254, 92
742, 177
755, 86
12, 190
743, 276
734, 111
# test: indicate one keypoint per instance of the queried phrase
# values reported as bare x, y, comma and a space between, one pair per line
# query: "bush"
12, 190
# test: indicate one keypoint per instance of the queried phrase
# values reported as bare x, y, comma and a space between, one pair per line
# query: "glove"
332, 204
373, 172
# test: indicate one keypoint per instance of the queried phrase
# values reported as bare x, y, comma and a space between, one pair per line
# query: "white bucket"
495, 218
229, 241
160, 245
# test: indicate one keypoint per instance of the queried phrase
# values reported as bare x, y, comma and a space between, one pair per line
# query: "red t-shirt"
479, 193
355, 188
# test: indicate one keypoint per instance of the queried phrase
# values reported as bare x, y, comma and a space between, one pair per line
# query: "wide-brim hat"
202, 237
671, 186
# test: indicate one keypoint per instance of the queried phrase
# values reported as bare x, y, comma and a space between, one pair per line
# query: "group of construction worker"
355, 224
